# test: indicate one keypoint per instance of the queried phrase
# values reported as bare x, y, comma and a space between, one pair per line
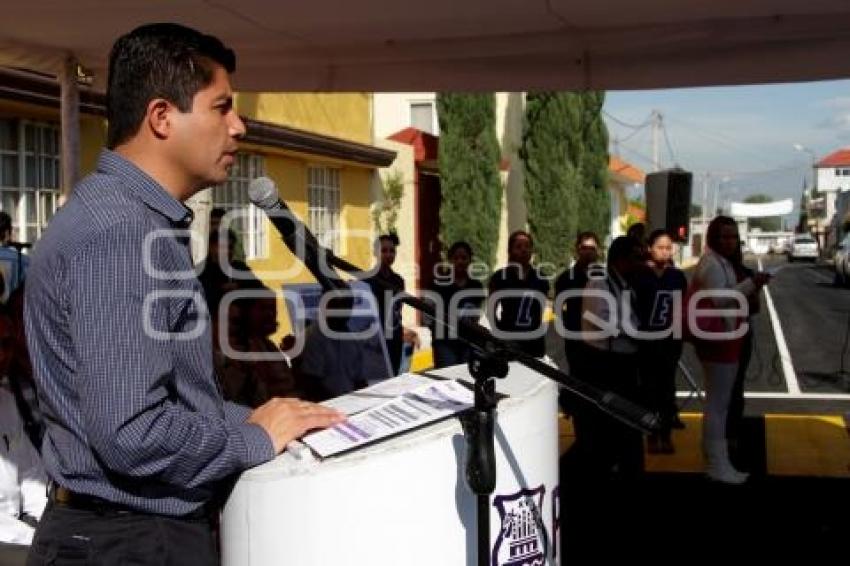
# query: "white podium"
404, 501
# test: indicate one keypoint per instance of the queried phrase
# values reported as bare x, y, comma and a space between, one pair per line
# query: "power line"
626, 124
719, 139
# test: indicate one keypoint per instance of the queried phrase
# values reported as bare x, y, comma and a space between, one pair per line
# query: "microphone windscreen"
263, 193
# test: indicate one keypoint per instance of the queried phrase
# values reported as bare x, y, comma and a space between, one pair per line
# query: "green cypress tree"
550, 150
469, 172
595, 200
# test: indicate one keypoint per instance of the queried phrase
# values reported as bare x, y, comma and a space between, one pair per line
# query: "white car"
803, 246
842, 261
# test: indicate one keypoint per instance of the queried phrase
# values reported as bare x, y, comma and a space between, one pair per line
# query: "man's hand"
285, 419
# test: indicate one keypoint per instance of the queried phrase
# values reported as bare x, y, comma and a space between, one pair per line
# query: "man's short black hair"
623, 247
516, 235
392, 238
166, 61
460, 245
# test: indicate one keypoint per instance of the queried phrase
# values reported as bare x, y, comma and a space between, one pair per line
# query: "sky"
740, 139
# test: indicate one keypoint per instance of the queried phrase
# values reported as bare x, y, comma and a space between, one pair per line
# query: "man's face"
203, 142
387, 253
587, 251
460, 259
520, 251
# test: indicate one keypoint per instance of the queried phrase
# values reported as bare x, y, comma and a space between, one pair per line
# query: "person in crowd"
271, 376
20, 372
612, 450
517, 297
720, 357
389, 309
334, 363
23, 482
139, 443
233, 372
460, 297
637, 232
13, 262
237, 249
572, 279
217, 278
658, 289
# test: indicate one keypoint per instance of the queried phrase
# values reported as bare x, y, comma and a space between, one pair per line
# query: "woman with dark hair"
720, 357
460, 297
657, 289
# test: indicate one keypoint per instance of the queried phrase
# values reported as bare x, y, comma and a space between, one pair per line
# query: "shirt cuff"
257, 446
236, 414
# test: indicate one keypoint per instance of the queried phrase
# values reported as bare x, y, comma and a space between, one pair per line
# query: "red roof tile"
626, 169
836, 158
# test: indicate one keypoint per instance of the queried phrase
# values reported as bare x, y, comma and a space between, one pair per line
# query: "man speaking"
138, 440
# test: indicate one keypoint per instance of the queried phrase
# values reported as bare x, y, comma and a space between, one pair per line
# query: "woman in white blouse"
720, 354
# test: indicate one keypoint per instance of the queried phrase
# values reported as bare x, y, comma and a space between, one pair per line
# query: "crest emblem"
522, 539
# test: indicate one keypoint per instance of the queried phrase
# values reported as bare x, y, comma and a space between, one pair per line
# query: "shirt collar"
145, 188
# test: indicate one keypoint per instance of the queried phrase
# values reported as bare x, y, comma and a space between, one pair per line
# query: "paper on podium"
411, 409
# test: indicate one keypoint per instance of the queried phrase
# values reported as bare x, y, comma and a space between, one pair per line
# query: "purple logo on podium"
522, 539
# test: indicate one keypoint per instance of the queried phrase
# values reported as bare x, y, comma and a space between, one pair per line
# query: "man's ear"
158, 117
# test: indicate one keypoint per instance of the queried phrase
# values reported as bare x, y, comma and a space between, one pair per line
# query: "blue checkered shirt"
120, 343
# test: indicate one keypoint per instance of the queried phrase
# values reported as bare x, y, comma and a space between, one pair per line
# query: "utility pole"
704, 196
656, 132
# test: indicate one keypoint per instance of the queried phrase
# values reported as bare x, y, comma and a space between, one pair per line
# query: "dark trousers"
66, 536
605, 448
659, 360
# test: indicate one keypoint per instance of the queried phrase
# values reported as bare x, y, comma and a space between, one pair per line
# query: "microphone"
262, 192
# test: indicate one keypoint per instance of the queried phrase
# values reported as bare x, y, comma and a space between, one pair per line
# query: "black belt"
64, 497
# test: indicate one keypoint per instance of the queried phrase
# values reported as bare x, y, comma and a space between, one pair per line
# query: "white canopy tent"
391, 45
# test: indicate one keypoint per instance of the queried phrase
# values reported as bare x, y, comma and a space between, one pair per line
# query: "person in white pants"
719, 357
23, 482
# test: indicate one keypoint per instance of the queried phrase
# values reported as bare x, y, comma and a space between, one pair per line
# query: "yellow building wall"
340, 115
92, 140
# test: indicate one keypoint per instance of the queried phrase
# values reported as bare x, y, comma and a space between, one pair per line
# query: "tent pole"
70, 125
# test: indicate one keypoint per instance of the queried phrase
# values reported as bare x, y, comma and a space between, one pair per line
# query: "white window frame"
433, 104
324, 209
36, 199
252, 230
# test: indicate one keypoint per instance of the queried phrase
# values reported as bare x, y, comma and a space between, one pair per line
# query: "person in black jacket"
518, 297
573, 278
657, 287
389, 309
460, 297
